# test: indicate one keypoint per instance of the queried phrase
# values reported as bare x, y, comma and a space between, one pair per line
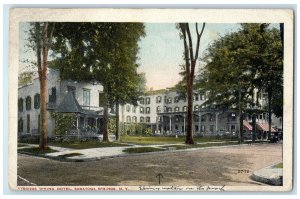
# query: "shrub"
63, 122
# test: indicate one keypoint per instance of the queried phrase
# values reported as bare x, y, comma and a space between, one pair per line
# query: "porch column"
217, 122
170, 124
157, 119
184, 124
162, 125
77, 126
96, 125
199, 128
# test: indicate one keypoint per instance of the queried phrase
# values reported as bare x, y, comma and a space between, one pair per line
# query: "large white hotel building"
161, 110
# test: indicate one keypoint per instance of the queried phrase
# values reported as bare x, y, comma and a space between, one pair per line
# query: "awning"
247, 125
264, 127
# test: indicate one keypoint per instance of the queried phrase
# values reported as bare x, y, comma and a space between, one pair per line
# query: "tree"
240, 64
129, 88
190, 64
24, 78
40, 38
227, 77
101, 52
270, 66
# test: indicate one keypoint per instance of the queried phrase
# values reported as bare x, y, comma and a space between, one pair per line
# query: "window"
86, 97
165, 109
233, 116
203, 118
196, 128
196, 108
134, 119
202, 96
134, 109
158, 109
37, 101
232, 128
141, 119
158, 99
20, 125
142, 101
20, 104
159, 119
128, 119
169, 110
184, 108
170, 100
127, 108
147, 119
176, 109
211, 118
211, 128
202, 128
148, 110
196, 97
52, 95
142, 110
165, 99
176, 99
28, 123
148, 100
28, 103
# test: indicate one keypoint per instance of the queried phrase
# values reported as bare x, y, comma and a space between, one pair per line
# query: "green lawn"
22, 145
86, 145
36, 150
280, 165
165, 140
142, 150
186, 146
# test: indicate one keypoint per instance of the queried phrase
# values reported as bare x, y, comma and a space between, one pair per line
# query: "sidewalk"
92, 154
268, 175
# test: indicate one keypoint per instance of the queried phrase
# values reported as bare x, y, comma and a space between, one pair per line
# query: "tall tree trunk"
117, 122
190, 63
189, 133
105, 117
241, 118
43, 114
270, 94
42, 48
253, 127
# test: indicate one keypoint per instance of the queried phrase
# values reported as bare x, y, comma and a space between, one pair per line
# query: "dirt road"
218, 166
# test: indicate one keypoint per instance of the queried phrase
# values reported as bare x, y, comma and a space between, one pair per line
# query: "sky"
161, 51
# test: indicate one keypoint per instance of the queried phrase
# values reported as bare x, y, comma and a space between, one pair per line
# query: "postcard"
151, 100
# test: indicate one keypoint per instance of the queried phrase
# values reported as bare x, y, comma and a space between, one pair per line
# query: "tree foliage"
104, 53
243, 63
24, 78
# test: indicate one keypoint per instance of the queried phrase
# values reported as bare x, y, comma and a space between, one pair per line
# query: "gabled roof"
69, 105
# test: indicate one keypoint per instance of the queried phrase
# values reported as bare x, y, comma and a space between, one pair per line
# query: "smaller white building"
86, 94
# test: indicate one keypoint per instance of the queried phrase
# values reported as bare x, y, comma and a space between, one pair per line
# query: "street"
216, 166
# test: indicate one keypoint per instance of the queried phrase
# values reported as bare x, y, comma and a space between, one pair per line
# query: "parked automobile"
274, 137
